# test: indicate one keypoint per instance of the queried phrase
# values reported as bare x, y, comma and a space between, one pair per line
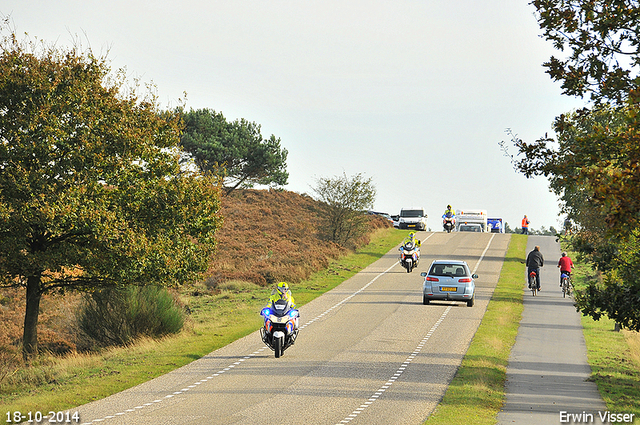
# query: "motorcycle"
409, 256
448, 222
280, 328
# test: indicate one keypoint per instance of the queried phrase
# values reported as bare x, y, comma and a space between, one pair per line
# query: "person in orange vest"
525, 225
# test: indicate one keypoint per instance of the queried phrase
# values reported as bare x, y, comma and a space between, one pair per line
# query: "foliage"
595, 166
344, 202
614, 357
595, 170
618, 294
91, 190
603, 41
118, 316
234, 151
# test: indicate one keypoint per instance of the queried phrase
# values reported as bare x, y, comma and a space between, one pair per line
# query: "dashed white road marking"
411, 357
255, 353
398, 372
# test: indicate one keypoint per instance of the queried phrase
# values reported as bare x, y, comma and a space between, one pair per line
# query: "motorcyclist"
412, 242
281, 291
449, 212
411, 239
535, 261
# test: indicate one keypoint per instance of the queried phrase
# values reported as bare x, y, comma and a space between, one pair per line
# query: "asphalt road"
368, 352
548, 370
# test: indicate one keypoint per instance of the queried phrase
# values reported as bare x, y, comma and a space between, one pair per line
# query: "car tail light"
432, 279
465, 280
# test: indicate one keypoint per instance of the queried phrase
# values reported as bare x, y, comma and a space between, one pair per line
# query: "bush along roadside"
476, 394
118, 316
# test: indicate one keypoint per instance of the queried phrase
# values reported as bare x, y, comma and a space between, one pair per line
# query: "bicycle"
533, 284
565, 278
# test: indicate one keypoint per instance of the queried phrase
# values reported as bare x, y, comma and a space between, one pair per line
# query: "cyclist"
535, 261
565, 265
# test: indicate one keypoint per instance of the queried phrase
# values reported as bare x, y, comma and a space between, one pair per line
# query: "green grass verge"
615, 368
476, 394
216, 320
614, 357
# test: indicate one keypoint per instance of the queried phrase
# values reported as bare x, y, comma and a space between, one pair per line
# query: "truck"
412, 218
466, 218
496, 225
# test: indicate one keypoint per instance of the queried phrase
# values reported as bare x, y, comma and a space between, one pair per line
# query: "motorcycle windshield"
281, 307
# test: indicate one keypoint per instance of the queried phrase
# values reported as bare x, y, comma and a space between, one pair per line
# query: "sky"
415, 95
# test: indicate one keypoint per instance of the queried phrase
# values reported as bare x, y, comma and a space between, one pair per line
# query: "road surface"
368, 353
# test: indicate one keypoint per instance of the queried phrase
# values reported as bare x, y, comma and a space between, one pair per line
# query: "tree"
595, 170
508, 229
595, 165
236, 151
345, 202
603, 39
91, 190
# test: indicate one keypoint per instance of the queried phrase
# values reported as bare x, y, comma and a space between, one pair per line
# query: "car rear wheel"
471, 302
425, 300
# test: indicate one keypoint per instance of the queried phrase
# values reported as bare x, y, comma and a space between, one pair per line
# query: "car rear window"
456, 270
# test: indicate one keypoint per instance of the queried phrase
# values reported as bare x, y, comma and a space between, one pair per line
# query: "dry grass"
272, 235
633, 340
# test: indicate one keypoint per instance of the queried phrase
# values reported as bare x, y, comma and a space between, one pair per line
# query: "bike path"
548, 370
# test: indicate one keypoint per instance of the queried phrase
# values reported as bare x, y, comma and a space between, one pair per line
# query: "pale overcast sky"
414, 94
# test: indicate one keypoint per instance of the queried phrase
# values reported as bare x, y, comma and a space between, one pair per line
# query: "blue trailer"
496, 225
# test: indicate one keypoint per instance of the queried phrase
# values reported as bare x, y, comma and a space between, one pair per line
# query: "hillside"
267, 236
272, 235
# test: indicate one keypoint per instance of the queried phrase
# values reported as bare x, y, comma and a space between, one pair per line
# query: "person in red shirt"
565, 264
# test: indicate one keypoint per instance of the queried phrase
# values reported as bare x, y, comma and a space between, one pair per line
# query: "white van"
412, 218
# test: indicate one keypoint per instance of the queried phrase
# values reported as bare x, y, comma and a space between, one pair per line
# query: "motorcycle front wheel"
277, 347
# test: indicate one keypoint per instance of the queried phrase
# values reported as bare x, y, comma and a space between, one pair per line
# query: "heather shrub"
117, 316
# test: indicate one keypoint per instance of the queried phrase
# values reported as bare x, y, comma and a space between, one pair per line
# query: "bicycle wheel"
533, 285
565, 287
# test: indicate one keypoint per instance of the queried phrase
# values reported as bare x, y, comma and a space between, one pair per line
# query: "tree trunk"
30, 335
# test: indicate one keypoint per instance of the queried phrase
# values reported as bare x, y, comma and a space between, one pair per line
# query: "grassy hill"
272, 235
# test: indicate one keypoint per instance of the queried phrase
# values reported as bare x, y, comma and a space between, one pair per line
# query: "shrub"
117, 316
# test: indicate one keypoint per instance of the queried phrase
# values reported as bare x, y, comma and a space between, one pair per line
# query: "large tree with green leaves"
234, 151
91, 189
594, 165
595, 171
602, 41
